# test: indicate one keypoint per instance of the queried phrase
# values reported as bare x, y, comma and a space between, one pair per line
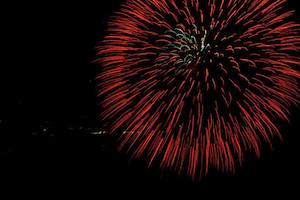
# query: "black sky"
48, 109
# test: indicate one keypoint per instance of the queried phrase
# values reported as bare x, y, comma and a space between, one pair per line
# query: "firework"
196, 84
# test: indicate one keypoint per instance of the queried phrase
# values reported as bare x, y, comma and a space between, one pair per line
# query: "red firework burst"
194, 84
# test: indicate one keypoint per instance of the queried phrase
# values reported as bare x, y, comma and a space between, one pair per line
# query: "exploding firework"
195, 84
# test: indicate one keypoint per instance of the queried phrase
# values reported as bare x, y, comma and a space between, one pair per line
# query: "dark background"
49, 109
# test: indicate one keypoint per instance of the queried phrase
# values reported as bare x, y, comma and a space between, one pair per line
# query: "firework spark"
195, 84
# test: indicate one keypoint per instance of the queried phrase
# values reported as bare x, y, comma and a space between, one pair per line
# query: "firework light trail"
195, 84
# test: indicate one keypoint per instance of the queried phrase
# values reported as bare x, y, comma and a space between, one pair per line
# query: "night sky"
50, 136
